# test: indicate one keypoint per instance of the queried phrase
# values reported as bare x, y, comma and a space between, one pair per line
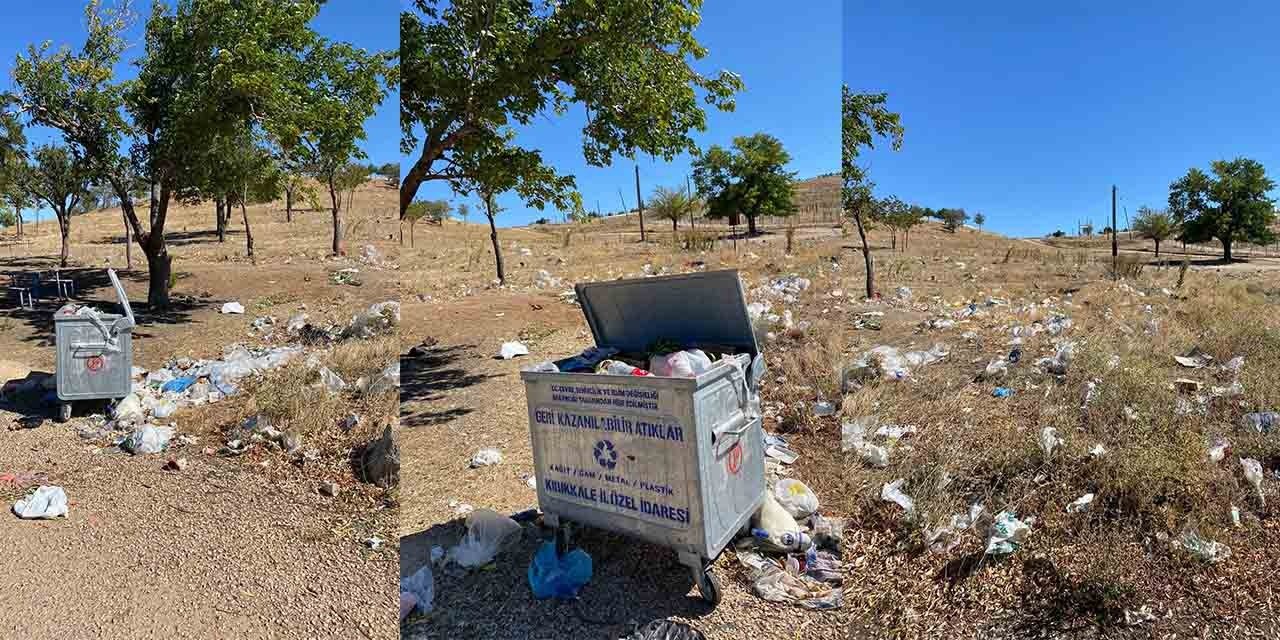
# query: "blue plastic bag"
1002, 392
178, 385
559, 577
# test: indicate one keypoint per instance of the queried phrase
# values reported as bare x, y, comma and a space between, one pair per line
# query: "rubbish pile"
664, 359
888, 363
793, 552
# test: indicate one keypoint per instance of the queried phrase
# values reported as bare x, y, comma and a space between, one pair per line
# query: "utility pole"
623, 200
689, 191
639, 203
1115, 247
128, 240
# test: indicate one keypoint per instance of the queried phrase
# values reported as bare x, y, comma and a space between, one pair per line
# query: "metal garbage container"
95, 352
678, 462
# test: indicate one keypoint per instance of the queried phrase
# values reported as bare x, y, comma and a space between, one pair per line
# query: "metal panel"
94, 354
695, 308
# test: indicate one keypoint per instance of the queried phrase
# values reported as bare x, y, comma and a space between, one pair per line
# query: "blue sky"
372, 24
788, 60
1030, 111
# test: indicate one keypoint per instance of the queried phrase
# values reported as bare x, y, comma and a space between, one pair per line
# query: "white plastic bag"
147, 439
1080, 504
798, 499
422, 586
1253, 473
1007, 534
45, 502
486, 531
681, 364
945, 537
129, 409
509, 350
331, 380
778, 525
892, 492
486, 457
233, 307
1049, 440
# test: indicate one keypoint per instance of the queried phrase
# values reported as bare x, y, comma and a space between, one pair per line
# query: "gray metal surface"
698, 308
678, 462
94, 351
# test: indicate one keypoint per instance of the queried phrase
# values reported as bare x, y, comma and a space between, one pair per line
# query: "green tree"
13, 162
464, 210
749, 179
672, 204
1231, 205
429, 210
892, 213
952, 219
344, 86
208, 70
61, 180
864, 117
474, 68
7, 217
1154, 225
979, 220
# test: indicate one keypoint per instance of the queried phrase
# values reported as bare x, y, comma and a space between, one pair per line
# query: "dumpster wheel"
709, 586
64, 411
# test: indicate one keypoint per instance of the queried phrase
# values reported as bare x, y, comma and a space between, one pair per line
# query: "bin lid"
124, 297
693, 308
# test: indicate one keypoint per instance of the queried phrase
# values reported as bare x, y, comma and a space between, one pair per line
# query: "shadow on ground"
92, 286
632, 583
426, 373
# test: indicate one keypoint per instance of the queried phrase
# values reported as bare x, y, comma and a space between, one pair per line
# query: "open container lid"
120, 293
695, 308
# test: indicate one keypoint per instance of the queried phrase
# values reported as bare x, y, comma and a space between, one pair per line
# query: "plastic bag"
775, 527
1007, 534
129, 409
178, 385
486, 531
45, 502
892, 492
799, 500
681, 364
509, 350
666, 630
422, 587
853, 438
558, 576
1262, 422
331, 381
382, 382
1253, 473
378, 318
147, 439
1080, 504
232, 307
945, 537
1202, 548
486, 457
1049, 440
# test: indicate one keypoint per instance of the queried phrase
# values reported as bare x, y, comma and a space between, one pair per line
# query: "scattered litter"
1253, 473
1098, 451
382, 382
996, 369
486, 457
1001, 392
1143, 615
1186, 385
486, 531
798, 499
233, 307
852, 438
45, 502
555, 576
1049, 440
1205, 550
178, 385
147, 439
892, 492
888, 363
903, 294
1007, 534
331, 381
666, 630
421, 586
1262, 422
1218, 450
510, 350
824, 408
778, 584
379, 318
894, 432
775, 528
1080, 504
1194, 359
680, 364
781, 454
945, 537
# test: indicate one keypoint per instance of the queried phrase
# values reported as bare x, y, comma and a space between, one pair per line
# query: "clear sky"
789, 61
372, 24
1030, 111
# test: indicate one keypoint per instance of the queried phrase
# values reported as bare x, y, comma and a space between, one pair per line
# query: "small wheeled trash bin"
95, 352
678, 462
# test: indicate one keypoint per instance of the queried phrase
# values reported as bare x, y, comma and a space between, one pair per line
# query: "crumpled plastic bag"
486, 457
129, 409
681, 364
853, 438
780, 529
888, 363
331, 381
666, 630
1080, 504
798, 499
1049, 440
1253, 473
45, 502
1205, 550
378, 318
892, 492
422, 586
147, 439
486, 531
1262, 422
558, 576
382, 382
509, 350
1007, 534
945, 537
775, 584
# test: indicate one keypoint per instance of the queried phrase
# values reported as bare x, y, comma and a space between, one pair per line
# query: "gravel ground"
216, 550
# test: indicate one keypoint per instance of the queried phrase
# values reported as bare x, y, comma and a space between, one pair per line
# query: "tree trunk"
159, 266
411, 224
288, 205
866, 256
675, 227
217, 214
64, 230
1157, 249
493, 237
894, 235
159, 263
223, 215
751, 225
334, 200
248, 234
1226, 249
128, 243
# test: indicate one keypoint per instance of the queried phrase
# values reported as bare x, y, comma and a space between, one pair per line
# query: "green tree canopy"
1231, 205
474, 68
749, 179
672, 204
61, 180
1154, 224
863, 118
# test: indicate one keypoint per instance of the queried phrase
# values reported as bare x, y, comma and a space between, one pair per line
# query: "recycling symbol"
605, 454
